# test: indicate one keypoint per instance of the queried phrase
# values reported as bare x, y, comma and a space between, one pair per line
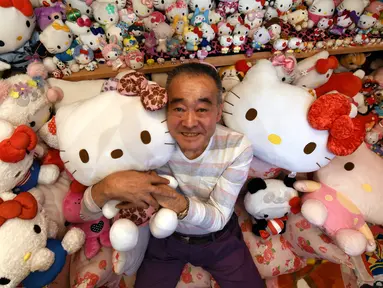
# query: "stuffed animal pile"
80, 34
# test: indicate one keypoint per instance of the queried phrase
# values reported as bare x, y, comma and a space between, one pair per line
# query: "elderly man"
211, 164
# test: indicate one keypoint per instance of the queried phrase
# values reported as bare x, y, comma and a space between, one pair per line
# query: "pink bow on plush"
147, 3
81, 22
288, 63
153, 97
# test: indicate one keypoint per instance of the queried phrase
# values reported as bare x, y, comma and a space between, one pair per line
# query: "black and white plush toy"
269, 202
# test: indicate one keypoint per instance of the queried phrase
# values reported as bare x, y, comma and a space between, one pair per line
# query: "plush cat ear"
255, 185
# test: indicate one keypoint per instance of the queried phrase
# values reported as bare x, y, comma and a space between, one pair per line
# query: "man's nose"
190, 119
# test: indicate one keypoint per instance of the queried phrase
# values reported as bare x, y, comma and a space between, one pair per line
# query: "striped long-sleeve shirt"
212, 182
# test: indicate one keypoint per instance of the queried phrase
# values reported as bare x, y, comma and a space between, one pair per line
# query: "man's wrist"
99, 193
184, 212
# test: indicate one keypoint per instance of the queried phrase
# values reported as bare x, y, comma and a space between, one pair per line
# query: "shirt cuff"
89, 202
191, 213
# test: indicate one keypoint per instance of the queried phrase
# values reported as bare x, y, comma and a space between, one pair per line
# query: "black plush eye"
37, 229
32, 124
17, 174
49, 18
136, 11
332, 10
310, 148
196, 6
183, 14
247, 8
91, 43
2, 44
69, 36
260, 35
148, 11
70, 5
162, 2
209, 6
292, 18
87, 11
59, 47
99, 19
283, 79
84, 155
349, 166
265, 216
28, 24
4, 281
364, 22
120, 34
281, 6
146, 138
111, 19
320, 10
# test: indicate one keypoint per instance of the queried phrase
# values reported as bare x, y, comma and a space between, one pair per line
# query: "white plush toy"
316, 70
27, 244
18, 169
14, 43
105, 13
27, 99
81, 6
274, 118
80, 26
59, 40
93, 144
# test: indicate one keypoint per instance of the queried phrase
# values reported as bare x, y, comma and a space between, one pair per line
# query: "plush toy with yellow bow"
29, 253
59, 41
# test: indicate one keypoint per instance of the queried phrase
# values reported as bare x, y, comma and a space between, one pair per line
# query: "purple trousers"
227, 259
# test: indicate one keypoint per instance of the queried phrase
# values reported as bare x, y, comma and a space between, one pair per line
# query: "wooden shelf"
106, 72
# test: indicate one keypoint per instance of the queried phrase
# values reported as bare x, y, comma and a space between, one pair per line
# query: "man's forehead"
197, 87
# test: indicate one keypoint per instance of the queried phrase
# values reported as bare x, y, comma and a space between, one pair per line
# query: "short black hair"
197, 69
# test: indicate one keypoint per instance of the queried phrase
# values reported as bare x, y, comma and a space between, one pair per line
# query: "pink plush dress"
342, 213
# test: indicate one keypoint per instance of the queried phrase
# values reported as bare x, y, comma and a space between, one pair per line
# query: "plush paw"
73, 240
123, 235
4, 66
163, 223
48, 174
109, 209
315, 212
371, 246
42, 260
352, 242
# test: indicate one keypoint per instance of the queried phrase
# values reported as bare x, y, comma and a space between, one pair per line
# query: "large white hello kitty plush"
18, 169
93, 144
320, 9
274, 117
58, 40
315, 70
105, 14
15, 42
29, 253
81, 6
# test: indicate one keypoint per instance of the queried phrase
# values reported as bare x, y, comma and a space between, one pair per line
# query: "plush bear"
280, 133
16, 43
18, 169
29, 253
270, 202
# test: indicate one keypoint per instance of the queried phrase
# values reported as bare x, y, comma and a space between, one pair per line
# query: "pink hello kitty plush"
320, 9
112, 53
96, 232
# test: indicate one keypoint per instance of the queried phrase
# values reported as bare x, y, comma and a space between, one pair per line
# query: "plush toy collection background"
79, 34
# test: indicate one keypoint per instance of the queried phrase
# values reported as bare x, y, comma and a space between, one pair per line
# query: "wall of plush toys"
79, 34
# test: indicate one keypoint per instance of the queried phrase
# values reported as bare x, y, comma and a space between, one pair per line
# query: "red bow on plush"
22, 141
85, 52
24, 6
153, 97
81, 22
323, 65
23, 206
331, 112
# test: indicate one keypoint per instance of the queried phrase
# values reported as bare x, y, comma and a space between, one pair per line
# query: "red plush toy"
346, 83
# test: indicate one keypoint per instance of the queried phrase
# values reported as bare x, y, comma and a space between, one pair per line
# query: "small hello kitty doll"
135, 59
153, 20
234, 19
142, 8
298, 18
355, 7
202, 5
225, 29
192, 40
226, 7
91, 40
215, 17
106, 14
271, 13
261, 37
254, 21
282, 7
239, 37
341, 23
320, 9
178, 8
225, 41
366, 22
208, 34
246, 6
112, 52
84, 56
160, 5
128, 16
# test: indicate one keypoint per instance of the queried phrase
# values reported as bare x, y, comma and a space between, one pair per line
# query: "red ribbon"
23, 206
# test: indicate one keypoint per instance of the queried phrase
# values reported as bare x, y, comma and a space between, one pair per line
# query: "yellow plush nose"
19, 38
27, 256
275, 139
367, 187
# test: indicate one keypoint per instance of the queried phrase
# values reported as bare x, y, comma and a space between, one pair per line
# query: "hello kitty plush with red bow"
19, 171
80, 26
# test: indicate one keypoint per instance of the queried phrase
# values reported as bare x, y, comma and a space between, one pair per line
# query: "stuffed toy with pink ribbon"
286, 66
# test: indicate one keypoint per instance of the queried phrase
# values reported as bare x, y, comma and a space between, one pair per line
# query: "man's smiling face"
193, 112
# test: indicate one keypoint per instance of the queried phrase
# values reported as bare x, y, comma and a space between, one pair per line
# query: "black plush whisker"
229, 103
164, 121
74, 172
227, 112
234, 94
170, 143
319, 165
